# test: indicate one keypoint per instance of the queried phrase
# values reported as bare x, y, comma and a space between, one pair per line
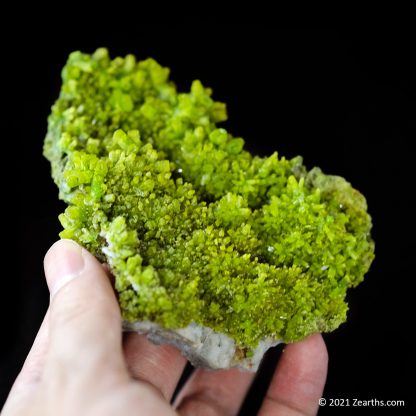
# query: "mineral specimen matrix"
196, 230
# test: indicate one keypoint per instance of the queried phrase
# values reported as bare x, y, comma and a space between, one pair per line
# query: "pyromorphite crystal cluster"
195, 228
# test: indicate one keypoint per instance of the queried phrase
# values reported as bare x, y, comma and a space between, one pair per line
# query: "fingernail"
63, 262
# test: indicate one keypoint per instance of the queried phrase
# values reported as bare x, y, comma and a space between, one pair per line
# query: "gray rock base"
204, 347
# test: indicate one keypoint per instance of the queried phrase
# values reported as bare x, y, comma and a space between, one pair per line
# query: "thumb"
84, 317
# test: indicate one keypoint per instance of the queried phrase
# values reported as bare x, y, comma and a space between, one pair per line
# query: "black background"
345, 100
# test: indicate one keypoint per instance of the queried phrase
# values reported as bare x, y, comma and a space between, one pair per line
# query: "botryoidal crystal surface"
198, 232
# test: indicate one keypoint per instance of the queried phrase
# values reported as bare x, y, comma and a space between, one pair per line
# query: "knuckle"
66, 308
200, 404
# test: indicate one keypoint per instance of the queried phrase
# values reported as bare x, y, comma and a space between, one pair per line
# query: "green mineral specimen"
195, 228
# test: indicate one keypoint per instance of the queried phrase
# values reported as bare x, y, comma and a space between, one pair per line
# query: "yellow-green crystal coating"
195, 228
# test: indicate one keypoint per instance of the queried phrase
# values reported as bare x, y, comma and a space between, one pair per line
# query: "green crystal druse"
195, 228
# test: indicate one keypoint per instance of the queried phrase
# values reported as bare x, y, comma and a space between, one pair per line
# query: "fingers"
299, 379
84, 322
214, 392
159, 365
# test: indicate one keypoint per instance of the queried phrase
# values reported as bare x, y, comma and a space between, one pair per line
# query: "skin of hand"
80, 364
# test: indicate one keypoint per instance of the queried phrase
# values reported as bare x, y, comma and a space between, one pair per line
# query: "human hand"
79, 365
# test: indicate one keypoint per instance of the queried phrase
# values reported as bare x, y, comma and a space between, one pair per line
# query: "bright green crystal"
195, 228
